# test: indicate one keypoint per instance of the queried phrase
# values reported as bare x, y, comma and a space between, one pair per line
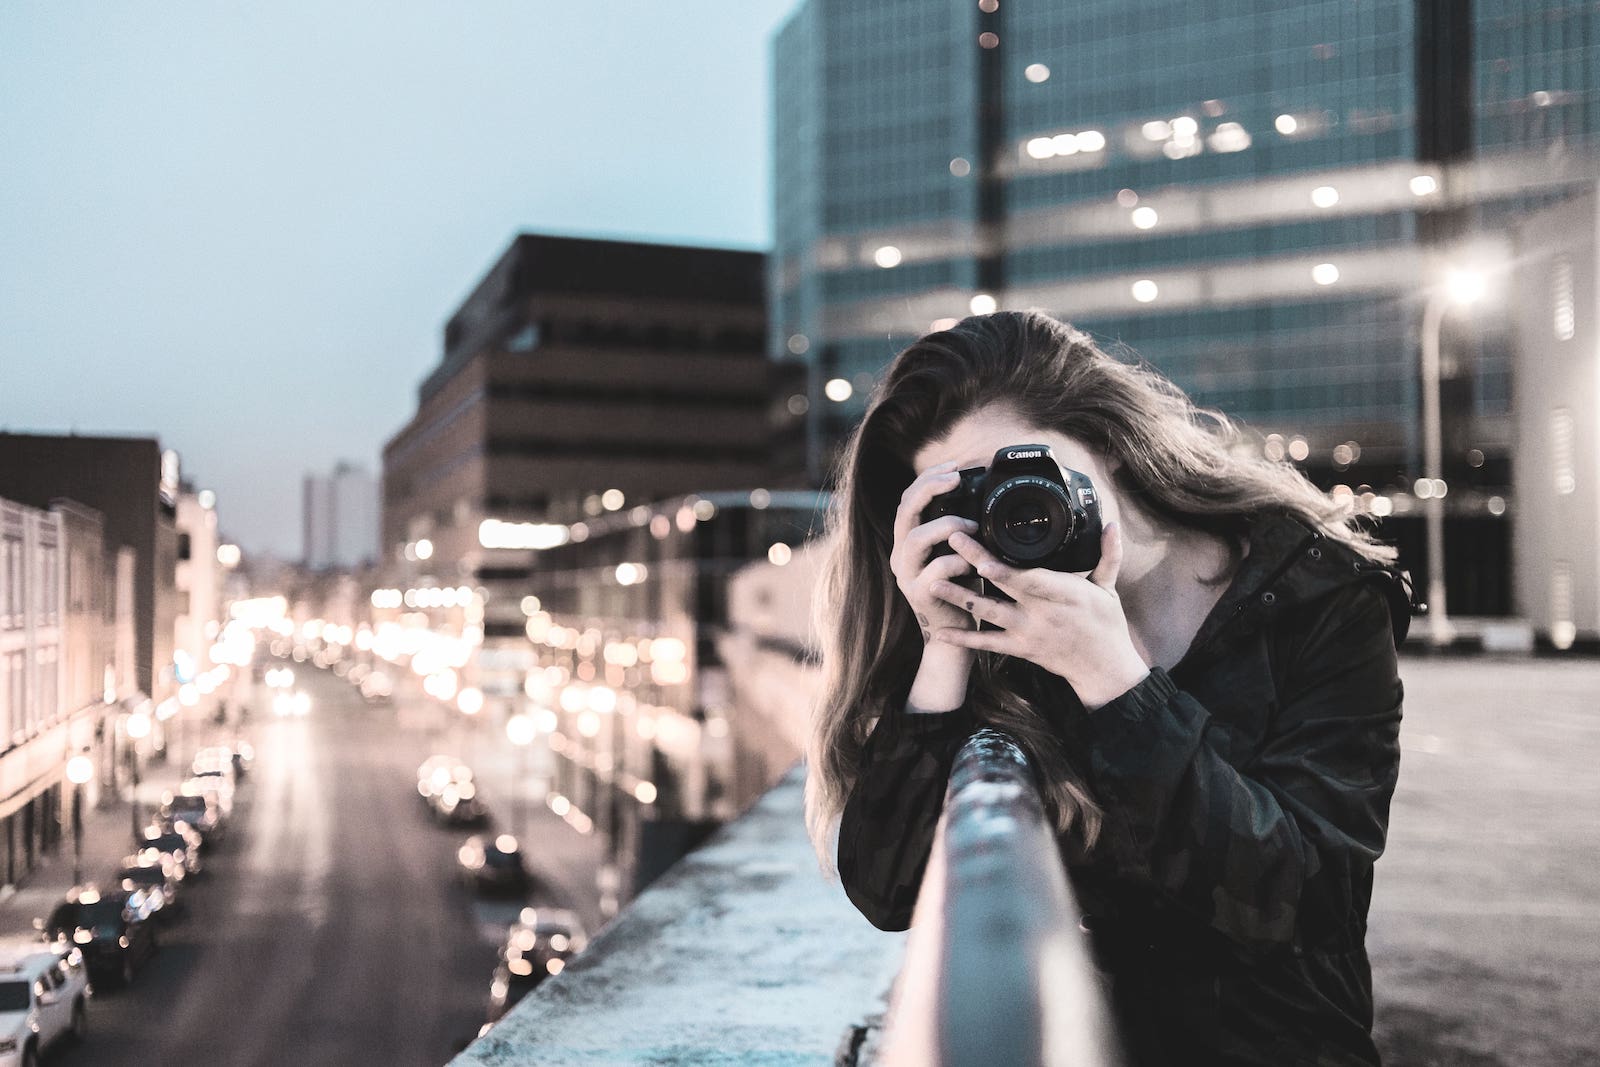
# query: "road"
329, 928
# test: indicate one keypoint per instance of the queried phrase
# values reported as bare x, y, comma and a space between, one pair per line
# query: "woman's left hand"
1069, 624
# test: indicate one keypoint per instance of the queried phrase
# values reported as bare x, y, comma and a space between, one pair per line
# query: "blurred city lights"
520, 730
1145, 218
1324, 196
960, 167
1285, 124
983, 304
838, 390
887, 256
424, 548
1424, 185
229, 556
1465, 286
1036, 73
1145, 290
779, 554
470, 700
1325, 274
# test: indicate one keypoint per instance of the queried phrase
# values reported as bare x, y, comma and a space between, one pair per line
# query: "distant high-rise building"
1256, 197
340, 518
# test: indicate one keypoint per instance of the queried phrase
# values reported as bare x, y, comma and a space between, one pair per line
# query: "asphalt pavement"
329, 928
1485, 922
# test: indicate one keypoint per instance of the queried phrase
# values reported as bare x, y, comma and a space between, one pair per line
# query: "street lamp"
520, 730
79, 770
138, 728
1461, 288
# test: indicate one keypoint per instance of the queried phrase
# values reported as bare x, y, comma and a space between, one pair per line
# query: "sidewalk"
107, 835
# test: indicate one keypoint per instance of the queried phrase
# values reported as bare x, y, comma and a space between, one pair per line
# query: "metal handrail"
997, 969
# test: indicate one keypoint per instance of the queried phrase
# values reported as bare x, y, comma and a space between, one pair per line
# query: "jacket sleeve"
1280, 851
886, 831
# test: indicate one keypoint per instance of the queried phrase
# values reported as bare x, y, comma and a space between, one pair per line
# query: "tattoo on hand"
969, 605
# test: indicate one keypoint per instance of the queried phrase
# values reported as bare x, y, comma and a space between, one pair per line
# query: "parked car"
494, 865
44, 995
157, 879
176, 843
214, 786
536, 947
199, 812
111, 927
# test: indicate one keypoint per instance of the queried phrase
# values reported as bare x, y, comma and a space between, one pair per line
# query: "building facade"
56, 660
134, 486
1256, 198
578, 378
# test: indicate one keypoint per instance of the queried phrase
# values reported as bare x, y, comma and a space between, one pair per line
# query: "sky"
241, 228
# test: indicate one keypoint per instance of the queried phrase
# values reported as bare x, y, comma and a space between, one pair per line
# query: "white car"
44, 994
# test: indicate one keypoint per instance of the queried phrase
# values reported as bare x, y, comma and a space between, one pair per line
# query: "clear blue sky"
241, 227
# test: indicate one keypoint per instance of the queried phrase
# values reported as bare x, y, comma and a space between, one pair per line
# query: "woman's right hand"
914, 543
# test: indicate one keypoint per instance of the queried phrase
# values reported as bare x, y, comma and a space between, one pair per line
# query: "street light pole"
80, 769
1440, 632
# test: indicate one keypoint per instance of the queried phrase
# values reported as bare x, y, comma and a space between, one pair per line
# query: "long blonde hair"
1179, 463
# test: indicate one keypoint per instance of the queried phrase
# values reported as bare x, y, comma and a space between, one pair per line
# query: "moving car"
447, 788
494, 865
536, 947
110, 926
44, 994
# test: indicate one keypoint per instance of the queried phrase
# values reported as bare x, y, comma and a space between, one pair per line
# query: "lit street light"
520, 731
1461, 288
138, 728
79, 770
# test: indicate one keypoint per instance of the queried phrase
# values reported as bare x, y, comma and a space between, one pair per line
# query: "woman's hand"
914, 542
1069, 624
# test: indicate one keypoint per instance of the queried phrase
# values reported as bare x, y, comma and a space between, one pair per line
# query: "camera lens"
1027, 519
1026, 522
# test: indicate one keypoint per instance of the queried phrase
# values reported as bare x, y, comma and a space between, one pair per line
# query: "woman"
1213, 711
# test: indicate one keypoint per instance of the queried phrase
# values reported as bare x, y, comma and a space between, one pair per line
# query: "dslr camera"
1030, 511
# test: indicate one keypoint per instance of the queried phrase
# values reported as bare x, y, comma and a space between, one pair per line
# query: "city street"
330, 927
1485, 935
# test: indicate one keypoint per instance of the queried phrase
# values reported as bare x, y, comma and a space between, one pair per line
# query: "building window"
525, 339
1561, 462
183, 546
1564, 317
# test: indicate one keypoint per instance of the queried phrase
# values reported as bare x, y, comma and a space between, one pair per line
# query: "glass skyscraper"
1255, 196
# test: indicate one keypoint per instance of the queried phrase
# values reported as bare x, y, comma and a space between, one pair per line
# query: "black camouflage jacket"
1246, 794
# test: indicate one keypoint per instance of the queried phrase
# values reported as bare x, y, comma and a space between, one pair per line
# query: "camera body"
1030, 511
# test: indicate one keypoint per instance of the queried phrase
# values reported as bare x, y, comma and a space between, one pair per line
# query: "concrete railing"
997, 969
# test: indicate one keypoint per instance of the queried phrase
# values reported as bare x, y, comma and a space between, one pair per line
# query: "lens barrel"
1028, 518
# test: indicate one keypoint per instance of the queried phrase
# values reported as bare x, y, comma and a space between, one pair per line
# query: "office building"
578, 378
1258, 198
340, 518
1556, 462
